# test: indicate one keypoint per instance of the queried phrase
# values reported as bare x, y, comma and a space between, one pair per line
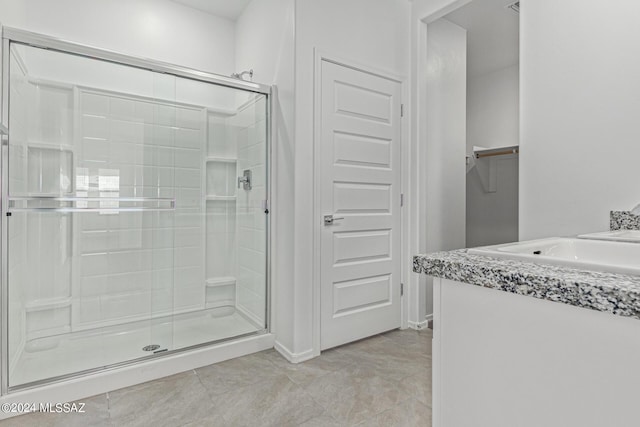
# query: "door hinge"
401, 110
401, 199
401, 289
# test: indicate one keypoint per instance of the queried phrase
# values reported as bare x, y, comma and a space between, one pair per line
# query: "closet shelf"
480, 153
221, 281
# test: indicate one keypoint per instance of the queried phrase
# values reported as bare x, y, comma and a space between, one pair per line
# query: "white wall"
265, 43
493, 109
446, 120
445, 139
157, 29
580, 107
372, 33
375, 34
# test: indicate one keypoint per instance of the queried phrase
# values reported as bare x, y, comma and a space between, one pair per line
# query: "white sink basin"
619, 235
600, 255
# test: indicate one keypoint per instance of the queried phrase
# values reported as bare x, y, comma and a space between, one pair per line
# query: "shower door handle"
90, 204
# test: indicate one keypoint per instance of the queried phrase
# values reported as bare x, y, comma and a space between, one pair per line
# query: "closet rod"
497, 153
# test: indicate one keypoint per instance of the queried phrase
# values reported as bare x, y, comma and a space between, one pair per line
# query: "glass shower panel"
220, 258
136, 219
91, 223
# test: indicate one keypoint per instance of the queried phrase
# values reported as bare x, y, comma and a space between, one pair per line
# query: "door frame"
423, 14
404, 259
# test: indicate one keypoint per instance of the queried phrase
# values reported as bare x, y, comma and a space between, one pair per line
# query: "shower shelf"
53, 146
47, 304
221, 281
221, 112
221, 178
220, 198
221, 159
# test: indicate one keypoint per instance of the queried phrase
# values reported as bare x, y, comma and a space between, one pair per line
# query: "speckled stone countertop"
618, 294
623, 220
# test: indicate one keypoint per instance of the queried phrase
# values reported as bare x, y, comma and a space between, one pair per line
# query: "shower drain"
151, 347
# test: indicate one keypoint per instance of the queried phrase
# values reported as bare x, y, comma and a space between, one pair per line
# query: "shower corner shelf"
49, 83
220, 112
4, 131
220, 198
47, 304
221, 281
53, 146
221, 159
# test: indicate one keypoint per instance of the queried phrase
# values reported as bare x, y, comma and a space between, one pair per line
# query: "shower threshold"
49, 358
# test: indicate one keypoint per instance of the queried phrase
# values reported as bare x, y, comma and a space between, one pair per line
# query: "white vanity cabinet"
507, 360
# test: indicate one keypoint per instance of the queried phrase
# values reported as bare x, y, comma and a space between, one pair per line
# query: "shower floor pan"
66, 354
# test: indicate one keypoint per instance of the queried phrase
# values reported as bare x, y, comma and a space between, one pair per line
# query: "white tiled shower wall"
221, 211
39, 246
137, 264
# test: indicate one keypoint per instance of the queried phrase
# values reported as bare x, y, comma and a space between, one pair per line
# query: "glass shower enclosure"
133, 212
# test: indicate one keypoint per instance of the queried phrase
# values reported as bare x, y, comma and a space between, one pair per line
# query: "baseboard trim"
429, 319
291, 356
418, 326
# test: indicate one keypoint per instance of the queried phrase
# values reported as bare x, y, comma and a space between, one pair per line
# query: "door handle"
328, 219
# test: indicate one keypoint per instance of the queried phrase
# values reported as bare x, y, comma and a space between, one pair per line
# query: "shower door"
133, 218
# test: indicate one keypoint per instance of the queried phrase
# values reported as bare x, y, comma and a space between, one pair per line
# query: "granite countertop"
618, 294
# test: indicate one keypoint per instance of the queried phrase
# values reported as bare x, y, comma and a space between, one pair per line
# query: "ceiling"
230, 9
492, 35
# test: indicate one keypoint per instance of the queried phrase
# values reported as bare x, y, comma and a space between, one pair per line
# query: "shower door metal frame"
4, 240
13, 35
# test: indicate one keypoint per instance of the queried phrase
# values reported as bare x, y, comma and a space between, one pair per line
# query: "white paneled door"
359, 132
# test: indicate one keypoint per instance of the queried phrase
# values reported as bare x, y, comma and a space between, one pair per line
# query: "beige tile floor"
384, 380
